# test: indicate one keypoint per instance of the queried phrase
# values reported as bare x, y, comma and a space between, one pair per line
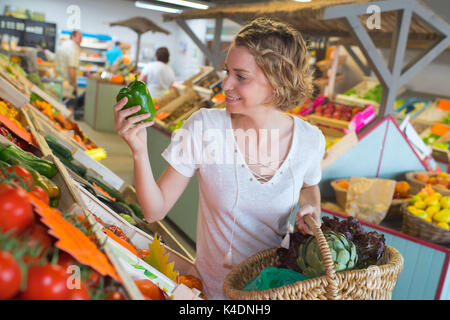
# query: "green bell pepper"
138, 95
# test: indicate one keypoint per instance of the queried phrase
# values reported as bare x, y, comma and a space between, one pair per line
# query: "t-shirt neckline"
279, 170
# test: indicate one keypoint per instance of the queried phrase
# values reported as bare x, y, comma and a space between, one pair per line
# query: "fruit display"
207, 80
373, 94
60, 122
431, 206
440, 180
336, 111
401, 191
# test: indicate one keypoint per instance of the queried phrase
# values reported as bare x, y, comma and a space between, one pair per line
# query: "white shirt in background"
231, 197
67, 55
160, 76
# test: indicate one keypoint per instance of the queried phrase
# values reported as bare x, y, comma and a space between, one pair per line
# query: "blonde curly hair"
281, 52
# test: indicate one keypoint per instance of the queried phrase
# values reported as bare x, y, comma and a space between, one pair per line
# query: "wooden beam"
183, 25
365, 68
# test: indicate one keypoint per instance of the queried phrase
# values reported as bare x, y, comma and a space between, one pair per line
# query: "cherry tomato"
149, 290
23, 173
38, 234
115, 295
48, 282
16, 211
10, 276
40, 193
81, 293
93, 280
65, 260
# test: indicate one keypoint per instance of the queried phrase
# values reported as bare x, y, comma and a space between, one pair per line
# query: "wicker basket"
418, 227
417, 185
373, 283
395, 210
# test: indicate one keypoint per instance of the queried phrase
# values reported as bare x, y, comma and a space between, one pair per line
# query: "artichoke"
342, 251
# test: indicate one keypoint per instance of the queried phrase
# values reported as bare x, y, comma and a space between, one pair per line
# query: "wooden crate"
361, 88
431, 115
12, 93
344, 144
176, 107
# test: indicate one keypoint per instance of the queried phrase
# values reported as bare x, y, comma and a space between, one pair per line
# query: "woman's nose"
226, 83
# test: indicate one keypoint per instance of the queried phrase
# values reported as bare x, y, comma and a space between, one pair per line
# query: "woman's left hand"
299, 218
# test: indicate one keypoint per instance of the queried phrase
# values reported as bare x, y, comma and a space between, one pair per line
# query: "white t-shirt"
206, 145
67, 55
159, 78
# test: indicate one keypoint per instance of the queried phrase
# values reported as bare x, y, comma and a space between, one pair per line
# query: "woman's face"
245, 85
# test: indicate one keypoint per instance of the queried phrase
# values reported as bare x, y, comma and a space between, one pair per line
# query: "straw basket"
417, 185
373, 283
395, 210
418, 227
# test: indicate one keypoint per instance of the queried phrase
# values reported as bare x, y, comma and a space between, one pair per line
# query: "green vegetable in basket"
128, 219
343, 253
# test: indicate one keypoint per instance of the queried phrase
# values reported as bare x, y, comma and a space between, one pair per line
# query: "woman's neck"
269, 118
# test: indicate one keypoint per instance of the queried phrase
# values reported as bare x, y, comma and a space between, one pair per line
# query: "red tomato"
38, 234
48, 282
16, 211
23, 173
40, 193
93, 280
115, 295
10, 276
65, 260
81, 293
150, 290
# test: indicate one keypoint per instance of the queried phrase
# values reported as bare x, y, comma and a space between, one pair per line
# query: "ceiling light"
149, 6
189, 4
302, 0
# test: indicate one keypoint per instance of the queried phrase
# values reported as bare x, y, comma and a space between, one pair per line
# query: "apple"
339, 107
318, 109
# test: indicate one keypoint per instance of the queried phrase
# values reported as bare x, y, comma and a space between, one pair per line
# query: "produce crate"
418, 227
207, 80
361, 89
438, 153
434, 113
417, 185
164, 100
11, 92
178, 109
355, 117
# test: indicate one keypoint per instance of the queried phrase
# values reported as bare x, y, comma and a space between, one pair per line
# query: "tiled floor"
119, 161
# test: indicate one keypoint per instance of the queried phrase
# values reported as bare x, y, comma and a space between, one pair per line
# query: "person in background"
68, 59
158, 75
113, 53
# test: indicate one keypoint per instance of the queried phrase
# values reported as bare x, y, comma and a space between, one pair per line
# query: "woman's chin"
233, 108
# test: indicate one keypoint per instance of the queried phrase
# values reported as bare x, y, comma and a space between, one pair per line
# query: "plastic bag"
369, 198
271, 278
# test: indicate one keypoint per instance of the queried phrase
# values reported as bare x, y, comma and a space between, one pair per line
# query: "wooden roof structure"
139, 25
308, 17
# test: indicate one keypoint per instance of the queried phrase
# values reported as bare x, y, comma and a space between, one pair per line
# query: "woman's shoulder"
210, 115
307, 128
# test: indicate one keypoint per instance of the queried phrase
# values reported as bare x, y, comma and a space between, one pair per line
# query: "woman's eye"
240, 77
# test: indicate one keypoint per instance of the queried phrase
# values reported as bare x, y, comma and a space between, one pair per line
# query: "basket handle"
332, 288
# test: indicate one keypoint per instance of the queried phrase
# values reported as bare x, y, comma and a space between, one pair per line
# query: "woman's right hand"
135, 135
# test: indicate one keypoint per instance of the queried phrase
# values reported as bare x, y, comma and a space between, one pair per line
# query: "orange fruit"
402, 188
343, 184
150, 290
423, 177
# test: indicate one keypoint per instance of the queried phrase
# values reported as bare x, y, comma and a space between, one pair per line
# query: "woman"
254, 162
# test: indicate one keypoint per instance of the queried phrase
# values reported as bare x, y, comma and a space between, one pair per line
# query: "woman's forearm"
148, 192
311, 195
